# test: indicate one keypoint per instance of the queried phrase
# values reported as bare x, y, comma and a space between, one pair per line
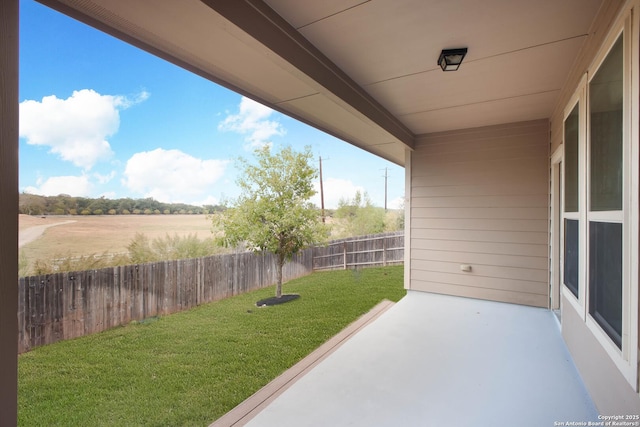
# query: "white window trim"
633, 219
580, 98
556, 256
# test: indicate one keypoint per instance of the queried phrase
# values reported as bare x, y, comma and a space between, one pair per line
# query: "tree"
359, 216
273, 212
32, 204
101, 205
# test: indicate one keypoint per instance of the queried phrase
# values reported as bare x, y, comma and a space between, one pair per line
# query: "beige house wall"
608, 388
479, 198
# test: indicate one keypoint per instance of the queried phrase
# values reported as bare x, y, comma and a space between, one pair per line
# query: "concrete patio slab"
436, 360
248, 409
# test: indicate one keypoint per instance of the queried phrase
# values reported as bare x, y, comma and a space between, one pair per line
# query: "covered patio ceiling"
365, 70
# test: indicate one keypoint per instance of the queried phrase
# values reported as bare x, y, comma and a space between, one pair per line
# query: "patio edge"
253, 405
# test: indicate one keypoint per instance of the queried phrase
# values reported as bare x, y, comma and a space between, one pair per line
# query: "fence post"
384, 251
344, 255
199, 290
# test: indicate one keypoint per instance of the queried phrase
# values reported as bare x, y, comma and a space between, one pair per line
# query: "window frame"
608, 216
579, 98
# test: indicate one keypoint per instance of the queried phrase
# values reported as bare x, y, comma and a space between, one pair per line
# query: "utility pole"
321, 191
385, 188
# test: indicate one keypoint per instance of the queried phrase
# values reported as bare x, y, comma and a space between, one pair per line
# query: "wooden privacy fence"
56, 307
61, 306
372, 250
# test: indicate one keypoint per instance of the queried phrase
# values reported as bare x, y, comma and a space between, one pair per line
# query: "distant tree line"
63, 204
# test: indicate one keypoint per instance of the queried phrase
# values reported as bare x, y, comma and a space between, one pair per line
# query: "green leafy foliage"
359, 217
23, 264
273, 212
142, 249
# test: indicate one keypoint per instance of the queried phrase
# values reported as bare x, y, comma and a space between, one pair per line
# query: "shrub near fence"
62, 306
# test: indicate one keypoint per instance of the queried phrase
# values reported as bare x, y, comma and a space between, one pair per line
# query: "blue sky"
99, 117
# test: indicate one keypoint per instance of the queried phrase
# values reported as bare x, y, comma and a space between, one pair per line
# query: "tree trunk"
279, 276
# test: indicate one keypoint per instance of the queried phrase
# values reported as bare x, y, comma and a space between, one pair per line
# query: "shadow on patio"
432, 360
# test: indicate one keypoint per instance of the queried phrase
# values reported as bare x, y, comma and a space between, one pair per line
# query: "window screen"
605, 277
571, 132
571, 255
605, 109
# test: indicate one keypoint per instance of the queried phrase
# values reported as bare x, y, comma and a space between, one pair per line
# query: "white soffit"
378, 40
517, 78
486, 113
517, 48
190, 31
323, 110
300, 15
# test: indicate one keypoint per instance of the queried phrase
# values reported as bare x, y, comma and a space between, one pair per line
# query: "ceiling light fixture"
450, 59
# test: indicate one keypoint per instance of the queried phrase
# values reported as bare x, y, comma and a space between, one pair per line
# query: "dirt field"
99, 234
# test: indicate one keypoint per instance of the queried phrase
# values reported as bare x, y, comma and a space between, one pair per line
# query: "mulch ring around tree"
275, 300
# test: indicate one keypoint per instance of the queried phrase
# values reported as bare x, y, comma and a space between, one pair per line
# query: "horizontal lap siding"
480, 197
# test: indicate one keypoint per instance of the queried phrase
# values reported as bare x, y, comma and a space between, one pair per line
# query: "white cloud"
109, 195
397, 203
76, 128
334, 190
252, 121
125, 102
172, 176
79, 186
209, 200
105, 179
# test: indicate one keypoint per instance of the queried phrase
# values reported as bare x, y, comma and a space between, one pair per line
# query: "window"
571, 141
605, 193
605, 277
600, 201
605, 142
572, 210
571, 255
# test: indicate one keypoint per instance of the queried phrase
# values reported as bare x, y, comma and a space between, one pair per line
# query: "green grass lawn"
190, 368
